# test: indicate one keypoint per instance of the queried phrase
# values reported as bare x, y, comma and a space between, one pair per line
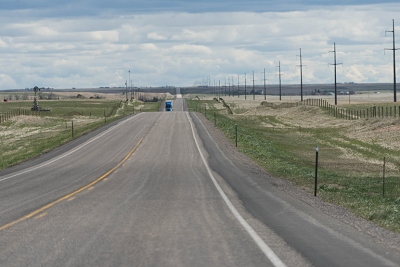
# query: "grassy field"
351, 152
25, 136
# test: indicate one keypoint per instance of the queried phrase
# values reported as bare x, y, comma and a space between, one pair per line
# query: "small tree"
51, 96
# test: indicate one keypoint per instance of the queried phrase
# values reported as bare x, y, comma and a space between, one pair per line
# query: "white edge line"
275, 260
71, 151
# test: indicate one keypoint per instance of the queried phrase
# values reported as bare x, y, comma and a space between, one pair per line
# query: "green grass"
23, 139
289, 153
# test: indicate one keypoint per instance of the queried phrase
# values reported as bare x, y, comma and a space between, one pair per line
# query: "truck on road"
168, 106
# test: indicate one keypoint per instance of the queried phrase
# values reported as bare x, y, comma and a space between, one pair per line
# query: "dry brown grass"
348, 142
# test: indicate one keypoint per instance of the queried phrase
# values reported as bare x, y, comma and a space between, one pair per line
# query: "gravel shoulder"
377, 233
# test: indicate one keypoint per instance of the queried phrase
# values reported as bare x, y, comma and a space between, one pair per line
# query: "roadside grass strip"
351, 154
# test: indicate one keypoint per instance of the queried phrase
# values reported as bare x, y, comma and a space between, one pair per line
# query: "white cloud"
156, 36
178, 48
7, 81
107, 36
190, 49
149, 47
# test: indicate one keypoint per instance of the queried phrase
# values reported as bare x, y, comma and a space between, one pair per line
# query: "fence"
17, 112
6, 116
349, 114
379, 180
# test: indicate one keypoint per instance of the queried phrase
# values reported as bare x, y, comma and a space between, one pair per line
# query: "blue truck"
168, 106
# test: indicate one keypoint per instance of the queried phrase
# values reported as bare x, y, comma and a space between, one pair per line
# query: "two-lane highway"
155, 190
158, 208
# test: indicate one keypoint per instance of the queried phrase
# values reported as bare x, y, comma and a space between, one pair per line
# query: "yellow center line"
41, 215
36, 212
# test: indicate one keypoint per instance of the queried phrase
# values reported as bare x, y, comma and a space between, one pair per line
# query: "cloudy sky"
93, 43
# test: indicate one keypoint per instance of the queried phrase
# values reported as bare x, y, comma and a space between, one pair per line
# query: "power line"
301, 75
394, 63
335, 64
265, 86
280, 81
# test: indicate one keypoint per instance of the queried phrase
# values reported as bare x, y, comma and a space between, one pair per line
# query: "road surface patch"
88, 186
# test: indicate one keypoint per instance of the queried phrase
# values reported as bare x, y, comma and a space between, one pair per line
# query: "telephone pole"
280, 81
254, 90
335, 64
265, 86
301, 75
394, 63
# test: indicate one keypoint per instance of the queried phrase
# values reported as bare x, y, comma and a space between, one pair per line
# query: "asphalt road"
156, 190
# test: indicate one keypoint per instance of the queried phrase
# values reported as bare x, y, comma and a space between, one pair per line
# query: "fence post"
72, 129
316, 171
383, 177
236, 135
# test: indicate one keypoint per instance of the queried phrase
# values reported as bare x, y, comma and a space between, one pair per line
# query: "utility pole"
301, 75
280, 81
265, 86
129, 85
335, 64
394, 63
254, 90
